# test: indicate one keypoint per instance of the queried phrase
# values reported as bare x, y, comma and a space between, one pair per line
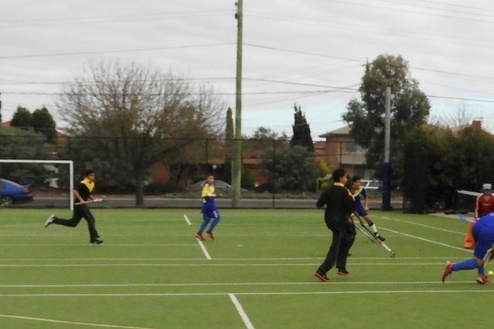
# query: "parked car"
219, 184
11, 192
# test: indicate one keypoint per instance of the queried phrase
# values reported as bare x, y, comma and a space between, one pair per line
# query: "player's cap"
486, 187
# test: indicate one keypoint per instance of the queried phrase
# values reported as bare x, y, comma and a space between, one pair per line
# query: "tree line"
125, 119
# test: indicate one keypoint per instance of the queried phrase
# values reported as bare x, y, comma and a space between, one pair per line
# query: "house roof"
339, 131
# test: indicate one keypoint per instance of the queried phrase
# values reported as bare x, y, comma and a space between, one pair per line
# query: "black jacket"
339, 205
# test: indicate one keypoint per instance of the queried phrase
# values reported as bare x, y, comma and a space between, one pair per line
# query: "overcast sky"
308, 52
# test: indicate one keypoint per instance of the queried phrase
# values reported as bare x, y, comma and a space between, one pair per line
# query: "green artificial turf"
152, 273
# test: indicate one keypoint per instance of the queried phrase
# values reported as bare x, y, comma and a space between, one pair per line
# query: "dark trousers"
80, 211
341, 243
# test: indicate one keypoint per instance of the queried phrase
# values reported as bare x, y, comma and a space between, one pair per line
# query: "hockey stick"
464, 218
487, 256
364, 233
90, 201
385, 246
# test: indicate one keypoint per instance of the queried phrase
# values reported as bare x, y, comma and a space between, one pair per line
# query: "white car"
219, 184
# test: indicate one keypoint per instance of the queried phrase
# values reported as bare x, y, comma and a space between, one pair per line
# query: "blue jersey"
358, 195
483, 233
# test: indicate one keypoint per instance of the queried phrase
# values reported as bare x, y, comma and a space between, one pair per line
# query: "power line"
115, 51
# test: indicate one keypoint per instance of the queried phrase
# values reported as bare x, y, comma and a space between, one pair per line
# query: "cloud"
306, 52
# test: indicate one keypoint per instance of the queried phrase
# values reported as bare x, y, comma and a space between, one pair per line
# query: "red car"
13, 193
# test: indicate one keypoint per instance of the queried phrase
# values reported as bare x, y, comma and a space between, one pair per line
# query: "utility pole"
237, 156
386, 192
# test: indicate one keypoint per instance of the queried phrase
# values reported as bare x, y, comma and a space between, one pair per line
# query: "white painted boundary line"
204, 250
241, 311
211, 265
69, 322
201, 244
275, 293
421, 239
229, 284
220, 284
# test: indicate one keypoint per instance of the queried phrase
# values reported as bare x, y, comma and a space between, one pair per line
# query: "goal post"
71, 171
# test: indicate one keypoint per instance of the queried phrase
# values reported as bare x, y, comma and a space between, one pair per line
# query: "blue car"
12, 193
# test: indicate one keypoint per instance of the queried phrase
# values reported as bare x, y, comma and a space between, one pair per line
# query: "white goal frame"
71, 172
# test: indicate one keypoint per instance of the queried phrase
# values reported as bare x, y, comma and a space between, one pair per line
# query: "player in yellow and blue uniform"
360, 195
209, 209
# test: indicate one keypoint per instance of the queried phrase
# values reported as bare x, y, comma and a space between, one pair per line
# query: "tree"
463, 159
301, 130
409, 107
22, 118
291, 169
262, 139
229, 136
229, 131
43, 122
131, 117
24, 144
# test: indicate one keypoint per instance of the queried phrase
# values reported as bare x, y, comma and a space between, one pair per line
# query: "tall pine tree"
301, 131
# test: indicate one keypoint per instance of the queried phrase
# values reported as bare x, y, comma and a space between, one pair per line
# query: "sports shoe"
342, 271
377, 236
210, 235
199, 236
483, 279
96, 242
448, 269
321, 277
49, 220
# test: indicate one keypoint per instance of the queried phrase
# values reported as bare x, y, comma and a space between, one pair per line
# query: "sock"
374, 227
468, 264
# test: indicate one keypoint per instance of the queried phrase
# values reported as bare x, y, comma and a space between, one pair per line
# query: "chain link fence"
170, 170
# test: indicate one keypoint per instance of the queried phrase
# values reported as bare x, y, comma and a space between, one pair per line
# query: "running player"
209, 209
360, 196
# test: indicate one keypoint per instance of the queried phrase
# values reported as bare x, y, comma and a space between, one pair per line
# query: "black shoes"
96, 242
342, 271
377, 236
321, 277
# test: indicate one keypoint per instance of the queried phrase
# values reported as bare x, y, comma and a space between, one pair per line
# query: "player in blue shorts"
483, 236
209, 209
360, 196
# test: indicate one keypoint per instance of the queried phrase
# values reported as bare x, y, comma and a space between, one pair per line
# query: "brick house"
342, 151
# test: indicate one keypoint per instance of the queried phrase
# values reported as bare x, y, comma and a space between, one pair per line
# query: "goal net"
466, 200
51, 181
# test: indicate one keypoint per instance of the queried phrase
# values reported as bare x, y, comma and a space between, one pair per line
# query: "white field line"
241, 311
204, 250
187, 220
227, 284
307, 293
209, 265
65, 260
421, 239
51, 245
98, 325
424, 225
